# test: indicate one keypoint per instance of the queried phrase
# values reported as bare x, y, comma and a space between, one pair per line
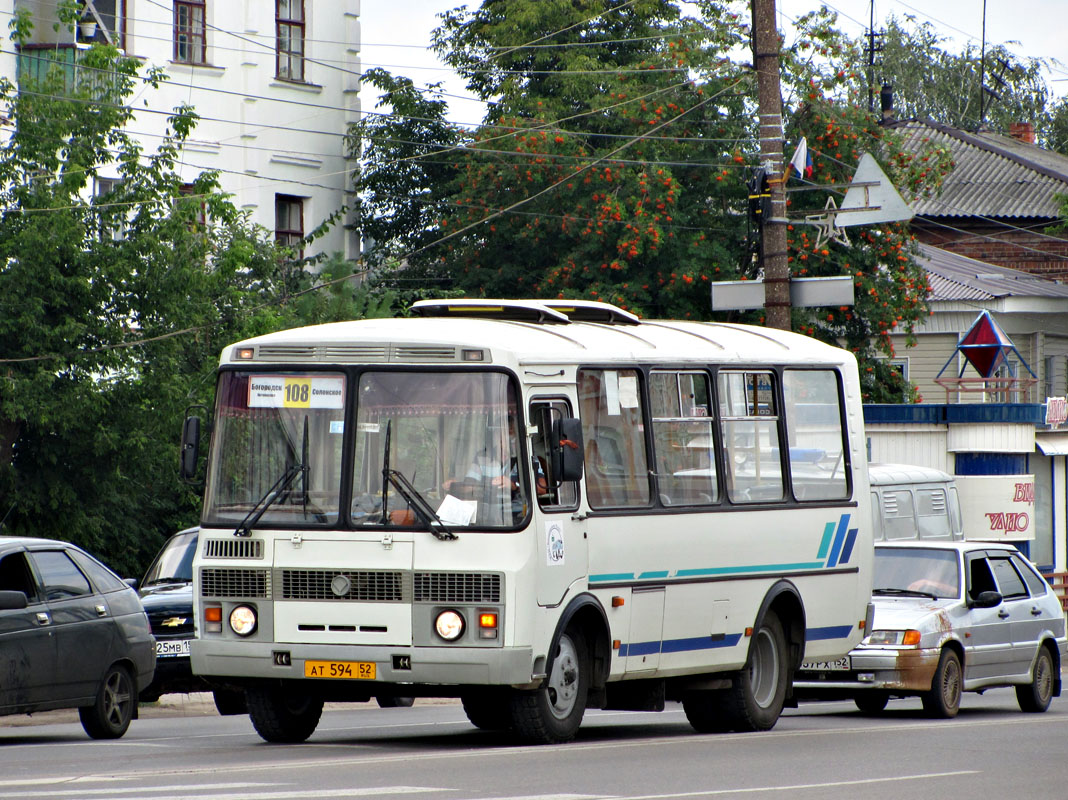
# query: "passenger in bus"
493, 471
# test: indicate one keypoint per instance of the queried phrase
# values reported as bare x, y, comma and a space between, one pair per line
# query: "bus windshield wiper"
431, 521
284, 481
423, 510
268, 499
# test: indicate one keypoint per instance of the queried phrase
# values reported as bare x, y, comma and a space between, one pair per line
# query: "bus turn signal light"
213, 619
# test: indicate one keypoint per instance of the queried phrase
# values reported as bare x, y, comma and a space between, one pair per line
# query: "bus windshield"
272, 425
452, 435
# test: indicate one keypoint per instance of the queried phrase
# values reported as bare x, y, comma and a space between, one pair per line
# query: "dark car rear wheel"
110, 715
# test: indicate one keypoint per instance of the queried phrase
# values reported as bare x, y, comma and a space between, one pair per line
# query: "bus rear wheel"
283, 715
758, 691
552, 713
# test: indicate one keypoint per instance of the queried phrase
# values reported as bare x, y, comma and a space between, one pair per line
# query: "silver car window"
1009, 582
1035, 582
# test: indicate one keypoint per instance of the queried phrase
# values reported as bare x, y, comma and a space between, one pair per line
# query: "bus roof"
530, 332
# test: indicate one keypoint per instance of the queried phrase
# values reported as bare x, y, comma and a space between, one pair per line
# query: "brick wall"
1031, 251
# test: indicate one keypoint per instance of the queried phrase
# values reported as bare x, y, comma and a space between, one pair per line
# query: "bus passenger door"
561, 534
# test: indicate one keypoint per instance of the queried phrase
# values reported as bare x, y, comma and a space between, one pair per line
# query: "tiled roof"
995, 175
956, 277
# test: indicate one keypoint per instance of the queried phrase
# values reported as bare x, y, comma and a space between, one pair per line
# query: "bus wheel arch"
785, 601
576, 663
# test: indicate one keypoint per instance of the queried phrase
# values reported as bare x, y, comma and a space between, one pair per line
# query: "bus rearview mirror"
565, 449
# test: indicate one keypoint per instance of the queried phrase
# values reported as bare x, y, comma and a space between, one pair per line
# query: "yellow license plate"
355, 670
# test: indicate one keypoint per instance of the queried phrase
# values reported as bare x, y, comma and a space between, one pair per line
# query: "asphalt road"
181, 750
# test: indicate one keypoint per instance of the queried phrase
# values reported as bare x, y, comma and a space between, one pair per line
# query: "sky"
396, 34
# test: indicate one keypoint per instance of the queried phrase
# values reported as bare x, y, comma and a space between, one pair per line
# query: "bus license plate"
355, 670
838, 665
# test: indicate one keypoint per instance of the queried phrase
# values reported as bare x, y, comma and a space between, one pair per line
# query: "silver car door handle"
1036, 612
101, 611
1003, 614
43, 618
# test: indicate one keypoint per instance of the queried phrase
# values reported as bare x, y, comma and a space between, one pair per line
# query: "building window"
289, 21
289, 223
112, 208
110, 16
190, 44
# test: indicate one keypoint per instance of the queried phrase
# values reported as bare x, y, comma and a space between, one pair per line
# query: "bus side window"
550, 491
749, 419
616, 466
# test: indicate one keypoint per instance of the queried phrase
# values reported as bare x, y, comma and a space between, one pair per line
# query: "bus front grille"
457, 587
381, 586
235, 583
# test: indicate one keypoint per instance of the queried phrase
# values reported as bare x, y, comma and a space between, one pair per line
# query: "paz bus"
535, 506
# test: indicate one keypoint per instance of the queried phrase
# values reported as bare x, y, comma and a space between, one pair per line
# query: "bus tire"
1035, 697
871, 702
488, 710
229, 702
705, 711
758, 692
552, 713
942, 701
284, 716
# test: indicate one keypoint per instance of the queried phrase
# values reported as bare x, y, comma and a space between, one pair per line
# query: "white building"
275, 83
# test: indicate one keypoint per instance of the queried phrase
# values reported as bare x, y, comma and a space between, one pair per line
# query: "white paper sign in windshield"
296, 391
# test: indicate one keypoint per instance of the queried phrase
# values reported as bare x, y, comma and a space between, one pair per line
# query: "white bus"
537, 507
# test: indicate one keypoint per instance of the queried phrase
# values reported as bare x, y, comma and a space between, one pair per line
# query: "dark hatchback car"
72, 635
167, 594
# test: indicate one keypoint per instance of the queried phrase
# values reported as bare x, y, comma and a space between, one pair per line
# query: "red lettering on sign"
1010, 522
1025, 493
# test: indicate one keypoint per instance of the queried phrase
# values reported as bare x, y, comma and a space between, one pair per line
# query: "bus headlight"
243, 621
449, 625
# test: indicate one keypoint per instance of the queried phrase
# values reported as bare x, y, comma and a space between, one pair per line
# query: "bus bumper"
441, 666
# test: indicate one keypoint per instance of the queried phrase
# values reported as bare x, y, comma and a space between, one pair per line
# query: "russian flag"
801, 163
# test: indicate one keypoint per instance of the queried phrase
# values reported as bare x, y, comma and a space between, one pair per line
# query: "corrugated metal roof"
994, 176
957, 277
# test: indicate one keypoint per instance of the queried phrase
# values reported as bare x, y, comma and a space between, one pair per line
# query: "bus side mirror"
190, 448
565, 449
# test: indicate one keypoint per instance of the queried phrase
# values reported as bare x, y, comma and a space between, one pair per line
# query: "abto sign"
997, 507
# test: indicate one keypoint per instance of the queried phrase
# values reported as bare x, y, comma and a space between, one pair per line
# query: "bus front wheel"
285, 716
552, 713
758, 690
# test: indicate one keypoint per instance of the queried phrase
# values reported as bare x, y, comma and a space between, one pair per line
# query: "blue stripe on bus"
612, 576
839, 537
658, 574
825, 542
847, 551
678, 645
831, 632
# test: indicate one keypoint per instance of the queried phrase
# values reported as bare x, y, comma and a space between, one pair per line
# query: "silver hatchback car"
950, 617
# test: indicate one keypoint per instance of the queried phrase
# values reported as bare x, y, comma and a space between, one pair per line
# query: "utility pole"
766, 47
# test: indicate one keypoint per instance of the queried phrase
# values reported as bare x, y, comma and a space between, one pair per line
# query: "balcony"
73, 77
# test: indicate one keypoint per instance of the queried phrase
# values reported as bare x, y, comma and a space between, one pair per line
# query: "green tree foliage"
113, 310
931, 81
613, 162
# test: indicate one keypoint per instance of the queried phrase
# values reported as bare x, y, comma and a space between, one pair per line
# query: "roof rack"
539, 311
